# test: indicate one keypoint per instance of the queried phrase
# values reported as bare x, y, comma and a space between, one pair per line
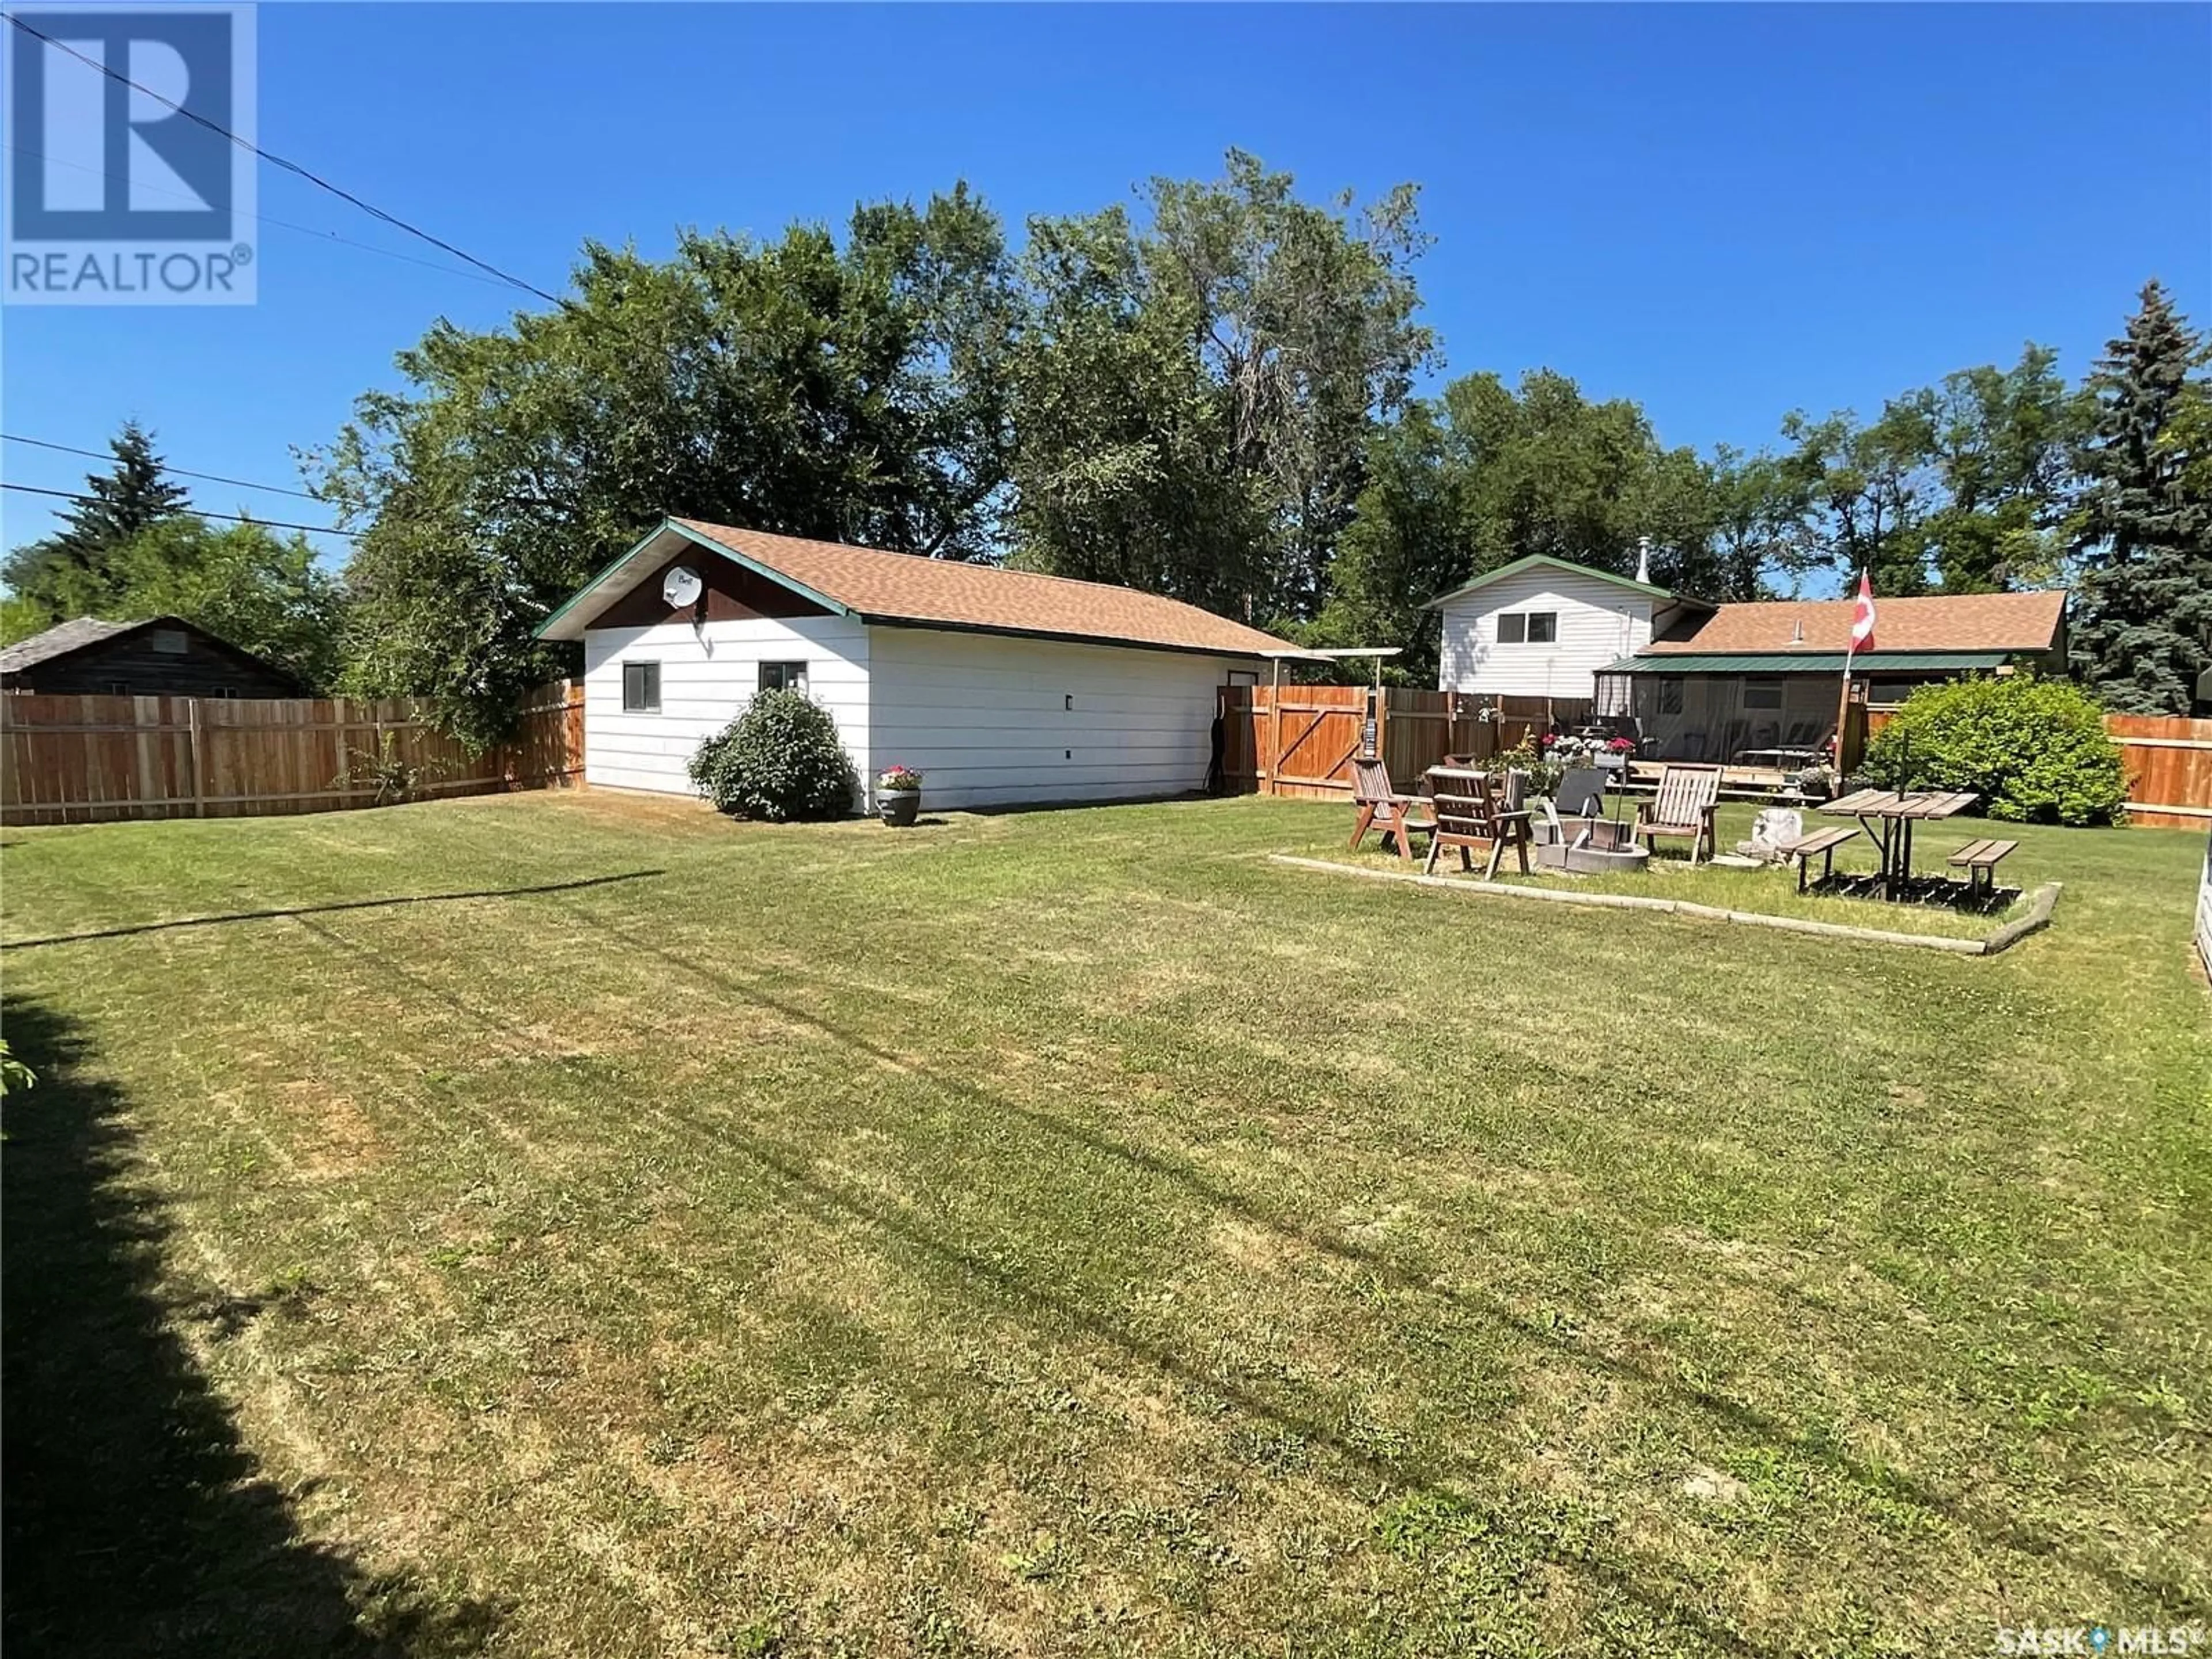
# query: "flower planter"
898, 807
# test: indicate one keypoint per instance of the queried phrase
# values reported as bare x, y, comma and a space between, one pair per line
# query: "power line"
180, 471
194, 512
319, 235
293, 167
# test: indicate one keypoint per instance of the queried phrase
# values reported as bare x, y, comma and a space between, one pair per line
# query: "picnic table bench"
1822, 842
1980, 859
1888, 816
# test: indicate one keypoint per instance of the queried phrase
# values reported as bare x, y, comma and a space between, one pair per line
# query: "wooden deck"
1737, 782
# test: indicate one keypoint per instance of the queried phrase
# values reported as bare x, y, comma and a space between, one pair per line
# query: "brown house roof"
1963, 622
904, 587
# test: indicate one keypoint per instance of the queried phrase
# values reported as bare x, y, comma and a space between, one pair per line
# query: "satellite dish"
681, 587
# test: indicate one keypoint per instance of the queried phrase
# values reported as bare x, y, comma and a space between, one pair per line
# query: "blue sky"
1724, 212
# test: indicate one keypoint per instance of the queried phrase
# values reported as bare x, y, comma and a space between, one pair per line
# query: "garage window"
783, 676
640, 688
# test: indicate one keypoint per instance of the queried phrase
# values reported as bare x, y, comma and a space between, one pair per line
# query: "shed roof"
1949, 621
62, 638
1803, 662
906, 588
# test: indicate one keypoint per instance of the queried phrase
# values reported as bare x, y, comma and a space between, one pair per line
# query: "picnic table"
1888, 816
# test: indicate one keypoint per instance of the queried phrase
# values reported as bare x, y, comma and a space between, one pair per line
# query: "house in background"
159, 656
1702, 681
1002, 686
1540, 626
1727, 678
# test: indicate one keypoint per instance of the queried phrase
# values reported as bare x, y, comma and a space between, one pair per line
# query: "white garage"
1001, 686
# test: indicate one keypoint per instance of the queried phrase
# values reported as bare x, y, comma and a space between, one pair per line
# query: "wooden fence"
95, 759
1304, 743
2169, 766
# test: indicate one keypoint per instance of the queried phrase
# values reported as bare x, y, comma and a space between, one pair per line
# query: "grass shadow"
134, 1519
325, 909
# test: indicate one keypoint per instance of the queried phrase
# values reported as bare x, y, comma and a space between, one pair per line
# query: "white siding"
1598, 622
706, 675
992, 720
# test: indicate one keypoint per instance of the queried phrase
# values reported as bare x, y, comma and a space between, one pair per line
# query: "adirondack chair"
1688, 798
1380, 806
1470, 814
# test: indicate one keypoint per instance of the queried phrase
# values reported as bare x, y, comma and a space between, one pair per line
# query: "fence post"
198, 754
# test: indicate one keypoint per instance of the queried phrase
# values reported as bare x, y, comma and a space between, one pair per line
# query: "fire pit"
1589, 846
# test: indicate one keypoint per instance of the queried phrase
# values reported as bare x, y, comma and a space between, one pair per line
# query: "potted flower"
898, 795
1614, 755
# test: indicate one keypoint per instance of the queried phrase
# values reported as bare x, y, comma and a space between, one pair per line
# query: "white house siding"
994, 720
1598, 623
707, 676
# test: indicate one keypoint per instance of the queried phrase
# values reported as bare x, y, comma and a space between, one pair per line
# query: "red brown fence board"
1305, 744
98, 759
2169, 766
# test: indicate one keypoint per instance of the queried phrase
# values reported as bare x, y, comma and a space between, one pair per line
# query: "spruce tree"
68, 573
2143, 594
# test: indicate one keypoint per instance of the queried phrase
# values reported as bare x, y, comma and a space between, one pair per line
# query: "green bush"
2034, 750
780, 759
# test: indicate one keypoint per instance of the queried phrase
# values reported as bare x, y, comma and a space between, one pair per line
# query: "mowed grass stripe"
1042, 1236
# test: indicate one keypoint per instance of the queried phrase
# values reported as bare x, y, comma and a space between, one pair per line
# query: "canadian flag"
1862, 616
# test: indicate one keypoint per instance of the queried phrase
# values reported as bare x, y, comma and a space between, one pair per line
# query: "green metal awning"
1806, 662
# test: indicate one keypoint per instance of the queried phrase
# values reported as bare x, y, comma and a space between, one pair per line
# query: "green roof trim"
1534, 560
836, 608
1807, 662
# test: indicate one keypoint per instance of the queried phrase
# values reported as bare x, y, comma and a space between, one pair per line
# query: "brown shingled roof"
1962, 622
905, 587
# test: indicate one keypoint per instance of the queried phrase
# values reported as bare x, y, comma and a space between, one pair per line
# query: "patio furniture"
1688, 796
1581, 793
1470, 814
1980, 859
1400, 818
1888, 816
1822, 842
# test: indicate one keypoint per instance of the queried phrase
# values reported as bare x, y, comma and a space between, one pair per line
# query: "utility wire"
194, 512
319, 233
293, 167
180, 471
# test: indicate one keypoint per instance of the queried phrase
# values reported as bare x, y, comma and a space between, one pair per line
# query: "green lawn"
578, 1225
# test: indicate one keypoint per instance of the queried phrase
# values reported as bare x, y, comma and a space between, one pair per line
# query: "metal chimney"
1644, 560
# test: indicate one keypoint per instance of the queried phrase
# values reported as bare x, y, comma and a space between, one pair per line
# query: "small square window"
783, 676
1543, 627
169, 641
1512, 628
641, 688
1670, 696
1762, 693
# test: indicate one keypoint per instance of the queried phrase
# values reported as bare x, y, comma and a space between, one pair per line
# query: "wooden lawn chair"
1380, 806
1469, 813
1687, 799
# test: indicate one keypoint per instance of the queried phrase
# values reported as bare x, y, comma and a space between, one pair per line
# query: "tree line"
1213, 398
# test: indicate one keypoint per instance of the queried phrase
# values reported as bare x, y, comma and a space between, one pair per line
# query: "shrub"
780, 759
2035, 750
